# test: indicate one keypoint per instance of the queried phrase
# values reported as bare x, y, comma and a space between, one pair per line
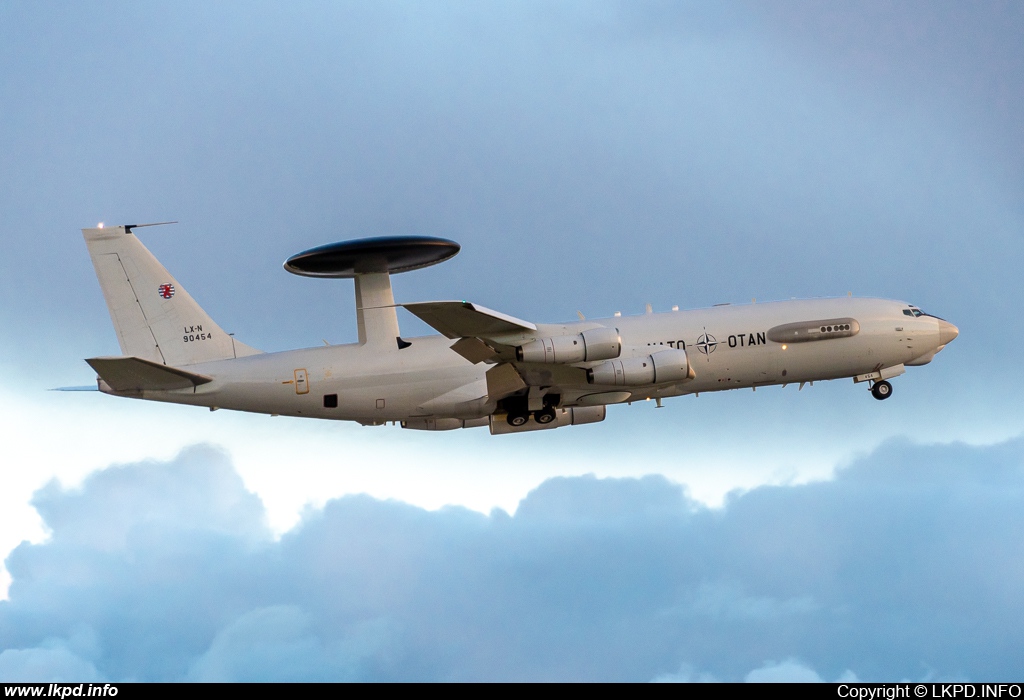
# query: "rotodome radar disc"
368, 255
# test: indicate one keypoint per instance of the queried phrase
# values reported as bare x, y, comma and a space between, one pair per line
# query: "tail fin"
155, 318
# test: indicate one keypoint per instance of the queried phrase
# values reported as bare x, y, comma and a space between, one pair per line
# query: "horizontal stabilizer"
90, 387
136, 374
461, 319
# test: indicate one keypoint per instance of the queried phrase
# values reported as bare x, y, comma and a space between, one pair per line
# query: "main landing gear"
881, 390
543, 416
519, 412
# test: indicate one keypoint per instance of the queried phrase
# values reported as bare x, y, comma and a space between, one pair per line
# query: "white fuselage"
727, 348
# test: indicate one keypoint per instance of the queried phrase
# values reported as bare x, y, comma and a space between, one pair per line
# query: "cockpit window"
913, 312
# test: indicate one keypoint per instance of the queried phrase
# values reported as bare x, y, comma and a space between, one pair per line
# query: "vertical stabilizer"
375, 311
154, 317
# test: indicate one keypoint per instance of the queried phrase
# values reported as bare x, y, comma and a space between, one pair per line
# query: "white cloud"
279, 643
51, 661
685, 674
168, 570
789, 671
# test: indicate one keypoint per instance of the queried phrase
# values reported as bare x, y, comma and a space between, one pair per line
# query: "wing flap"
137, 374
461, 319
503, 380
474, 350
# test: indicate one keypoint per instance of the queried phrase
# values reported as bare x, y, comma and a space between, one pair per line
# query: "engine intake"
588, 346
657, 368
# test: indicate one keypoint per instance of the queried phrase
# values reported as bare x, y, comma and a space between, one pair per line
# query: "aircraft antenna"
128, 227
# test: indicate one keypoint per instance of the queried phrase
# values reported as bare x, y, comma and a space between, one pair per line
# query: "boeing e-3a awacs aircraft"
485, 368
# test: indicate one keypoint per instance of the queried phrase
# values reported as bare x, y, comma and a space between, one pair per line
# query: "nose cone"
947, 332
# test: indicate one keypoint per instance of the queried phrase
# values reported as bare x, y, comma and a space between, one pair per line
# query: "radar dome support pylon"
370, 263
376, 316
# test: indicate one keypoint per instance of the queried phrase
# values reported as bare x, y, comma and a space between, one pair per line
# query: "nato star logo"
707, 343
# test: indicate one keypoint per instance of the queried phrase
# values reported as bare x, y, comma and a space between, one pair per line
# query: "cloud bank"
906, 565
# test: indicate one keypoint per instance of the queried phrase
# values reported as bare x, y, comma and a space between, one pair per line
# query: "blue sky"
591, 156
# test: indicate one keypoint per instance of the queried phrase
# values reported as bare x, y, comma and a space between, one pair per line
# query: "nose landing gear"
881, 390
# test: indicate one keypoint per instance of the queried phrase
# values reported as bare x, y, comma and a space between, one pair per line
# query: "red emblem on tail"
165, 290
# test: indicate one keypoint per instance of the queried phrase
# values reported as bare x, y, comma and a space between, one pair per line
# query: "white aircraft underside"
486, 368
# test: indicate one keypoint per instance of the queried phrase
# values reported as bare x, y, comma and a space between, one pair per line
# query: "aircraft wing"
485, 335
136, 374
461, 319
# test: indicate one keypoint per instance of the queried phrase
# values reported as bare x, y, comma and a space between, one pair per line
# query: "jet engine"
588, 346
657, 368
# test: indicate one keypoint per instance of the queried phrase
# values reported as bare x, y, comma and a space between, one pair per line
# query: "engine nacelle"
588, 346
658, 368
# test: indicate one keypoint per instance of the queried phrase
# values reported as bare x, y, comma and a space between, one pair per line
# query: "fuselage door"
301, 382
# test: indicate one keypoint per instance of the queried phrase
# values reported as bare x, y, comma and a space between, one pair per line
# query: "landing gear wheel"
517, 420
544, 416
881, 390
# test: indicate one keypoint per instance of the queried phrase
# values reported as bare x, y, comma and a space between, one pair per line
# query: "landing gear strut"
881, 390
